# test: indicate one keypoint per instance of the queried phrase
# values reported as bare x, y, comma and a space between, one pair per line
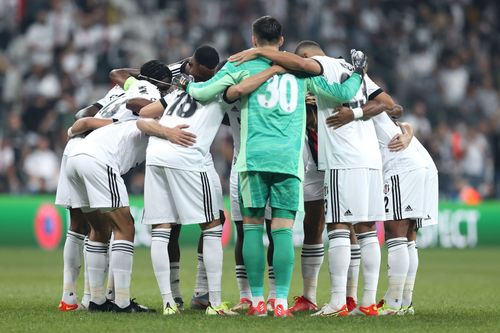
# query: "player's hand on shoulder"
179, 136
244, 56
396, 112
359, 60
400, 142
342, 116
181, 81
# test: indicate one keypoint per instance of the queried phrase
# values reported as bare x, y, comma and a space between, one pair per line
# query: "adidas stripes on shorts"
353, 195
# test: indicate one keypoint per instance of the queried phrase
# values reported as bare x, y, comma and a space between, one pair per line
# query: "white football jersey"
203, 119
353, 145
117, 109
121, 145
111, 95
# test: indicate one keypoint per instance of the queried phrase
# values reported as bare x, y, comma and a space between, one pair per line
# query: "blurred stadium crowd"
439, 59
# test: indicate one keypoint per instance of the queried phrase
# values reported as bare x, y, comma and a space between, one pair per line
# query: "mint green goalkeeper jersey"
273, 117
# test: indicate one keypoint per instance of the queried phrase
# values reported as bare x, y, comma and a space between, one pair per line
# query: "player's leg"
200, 298
404, 198
241, 272
78, 169
159, 211
397, 264
353, 273
271, 279
73, 249
286, 198
407, 303
174, 253
253, 198
312, 253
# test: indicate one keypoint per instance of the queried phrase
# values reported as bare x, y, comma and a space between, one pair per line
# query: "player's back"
272, 123
400, 161
120, 145
203, 120
353, 145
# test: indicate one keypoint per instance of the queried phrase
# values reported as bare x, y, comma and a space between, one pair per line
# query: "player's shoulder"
334, 62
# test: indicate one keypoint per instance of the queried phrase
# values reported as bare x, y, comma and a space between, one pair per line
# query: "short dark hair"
267, 30
306, 44
156, 69
207, 56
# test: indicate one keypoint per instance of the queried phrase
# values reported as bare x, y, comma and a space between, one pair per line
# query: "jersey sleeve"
143, 89
335, 92
110, 96
225, 77
372, 89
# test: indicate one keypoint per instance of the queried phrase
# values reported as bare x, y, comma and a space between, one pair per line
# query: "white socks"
339, 255
110, 288
370, 260
398, 263
86, 288
311, 260
72, 261
241, 278
412, 273
271, 283
201, 285
212, 257
353, 273
161, 264
174, 279
96, 266
122, 254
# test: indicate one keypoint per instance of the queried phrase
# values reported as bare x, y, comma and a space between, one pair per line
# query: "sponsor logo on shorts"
325, 190
348, 213
408, 209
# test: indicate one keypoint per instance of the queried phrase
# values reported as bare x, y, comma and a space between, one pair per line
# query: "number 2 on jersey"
282, 89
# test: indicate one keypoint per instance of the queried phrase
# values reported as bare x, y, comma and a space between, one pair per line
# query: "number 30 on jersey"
282, 89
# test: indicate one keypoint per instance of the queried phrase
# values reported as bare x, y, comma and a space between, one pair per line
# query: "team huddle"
311, 133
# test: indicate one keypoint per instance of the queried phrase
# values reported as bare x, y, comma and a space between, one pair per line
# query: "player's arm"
175, 135
120, 76
88, 111
153, 110
251, 83
344, 115
401, 141
87, 124
335, 92
136, 104
288, 60
226, 77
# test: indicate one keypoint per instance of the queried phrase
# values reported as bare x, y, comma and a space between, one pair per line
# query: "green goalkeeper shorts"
284, 192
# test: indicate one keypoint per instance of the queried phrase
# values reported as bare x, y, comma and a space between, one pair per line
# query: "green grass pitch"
456, 291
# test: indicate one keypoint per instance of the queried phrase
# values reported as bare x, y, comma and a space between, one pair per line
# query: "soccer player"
353, 177
92, 169
408, 199
270, 162
314, 221
177, 188
105, 111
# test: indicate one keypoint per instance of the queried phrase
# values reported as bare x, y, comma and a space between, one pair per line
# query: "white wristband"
358, 113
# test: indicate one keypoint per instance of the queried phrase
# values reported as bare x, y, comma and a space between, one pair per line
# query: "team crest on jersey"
386, 188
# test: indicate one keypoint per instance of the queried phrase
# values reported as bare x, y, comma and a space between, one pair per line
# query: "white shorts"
431, 199
405, 195
353, 195
63, 197
178, 196
234, 196
313, 185
94, 184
